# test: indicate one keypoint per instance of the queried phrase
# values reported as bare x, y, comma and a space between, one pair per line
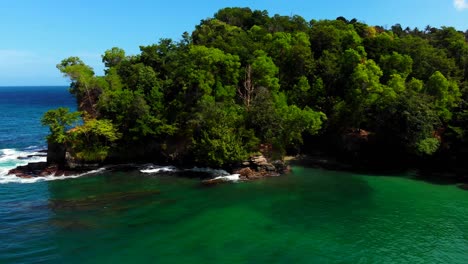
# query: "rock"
24, 176
76, 164
258, 159
214, 181
281, 166
463, 186
40, 169
245, 173
56, 153
260, 168
268, 167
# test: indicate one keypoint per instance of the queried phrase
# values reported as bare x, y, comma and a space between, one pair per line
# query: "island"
246, 86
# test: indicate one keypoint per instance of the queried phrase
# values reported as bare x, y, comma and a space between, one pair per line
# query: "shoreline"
257, 167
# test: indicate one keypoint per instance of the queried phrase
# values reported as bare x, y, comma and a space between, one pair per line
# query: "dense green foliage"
243, 78
91, 141
58, 121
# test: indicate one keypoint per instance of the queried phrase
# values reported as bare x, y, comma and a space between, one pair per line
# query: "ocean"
155, 215
21, 132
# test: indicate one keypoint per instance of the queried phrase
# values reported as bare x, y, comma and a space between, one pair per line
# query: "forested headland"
245, 82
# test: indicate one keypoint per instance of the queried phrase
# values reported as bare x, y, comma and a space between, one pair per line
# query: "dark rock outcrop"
56, 153
257, 167
40, 169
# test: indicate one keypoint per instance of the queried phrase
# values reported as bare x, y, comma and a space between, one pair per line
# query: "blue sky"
36, 35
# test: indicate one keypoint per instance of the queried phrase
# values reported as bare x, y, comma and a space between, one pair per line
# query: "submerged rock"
100, 201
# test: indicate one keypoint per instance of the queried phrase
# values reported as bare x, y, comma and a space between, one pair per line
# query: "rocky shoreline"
41, 169
256, 167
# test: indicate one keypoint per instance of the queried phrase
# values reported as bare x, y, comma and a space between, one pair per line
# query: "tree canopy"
245, 78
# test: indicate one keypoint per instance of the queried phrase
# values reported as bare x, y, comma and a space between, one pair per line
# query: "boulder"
258, 167
245, 173
281, 167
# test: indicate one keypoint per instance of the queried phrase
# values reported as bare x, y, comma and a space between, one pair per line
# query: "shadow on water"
313, 198
430, 173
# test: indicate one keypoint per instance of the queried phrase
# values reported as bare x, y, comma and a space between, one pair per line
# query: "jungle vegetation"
244, 79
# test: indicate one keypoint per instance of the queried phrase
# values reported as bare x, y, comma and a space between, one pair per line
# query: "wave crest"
10, 178
12, 158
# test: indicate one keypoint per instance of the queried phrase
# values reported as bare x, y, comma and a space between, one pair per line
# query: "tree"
365, 90
395, 63
264, 71
292, 54
426, 58
59, 121
407, 125
281, 124
294, 122
247, 91
446, 94
85, 86
113, 57
92, 141
221, 138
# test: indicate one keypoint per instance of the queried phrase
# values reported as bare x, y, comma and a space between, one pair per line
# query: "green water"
310, 216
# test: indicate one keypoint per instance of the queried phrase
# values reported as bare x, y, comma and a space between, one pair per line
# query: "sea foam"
214, 173
158, 169
232, 177
14, 179
9, 159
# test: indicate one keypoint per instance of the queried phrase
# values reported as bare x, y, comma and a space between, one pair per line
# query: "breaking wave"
213, 173
12, 158
158, 169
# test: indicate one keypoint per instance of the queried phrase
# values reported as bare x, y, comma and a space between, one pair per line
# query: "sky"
36, 35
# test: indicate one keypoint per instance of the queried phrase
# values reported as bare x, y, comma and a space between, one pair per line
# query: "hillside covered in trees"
245, 81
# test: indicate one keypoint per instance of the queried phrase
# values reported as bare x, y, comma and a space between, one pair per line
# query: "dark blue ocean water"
21, 132
21, 109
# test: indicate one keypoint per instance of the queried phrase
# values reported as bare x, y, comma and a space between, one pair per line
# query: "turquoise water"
309, 216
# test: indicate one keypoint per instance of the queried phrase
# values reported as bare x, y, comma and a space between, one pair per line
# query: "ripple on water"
310, 216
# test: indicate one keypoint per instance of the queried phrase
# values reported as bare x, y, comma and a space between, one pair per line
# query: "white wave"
10, 155
212, 172
14, 179
9, 159
156, 169
34, 148
232, 177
